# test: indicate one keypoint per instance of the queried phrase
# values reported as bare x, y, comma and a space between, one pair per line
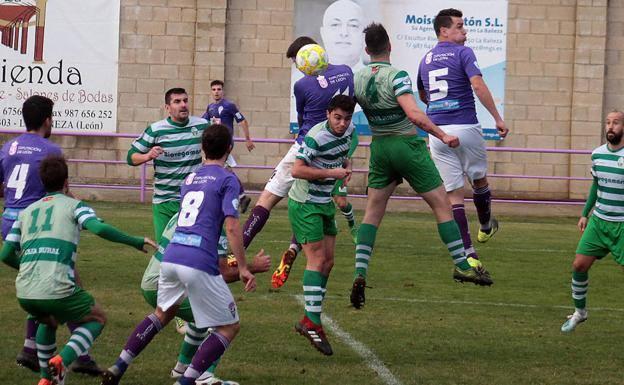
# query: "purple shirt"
19, 169
313, 94
208, 196
223, 112
444, 73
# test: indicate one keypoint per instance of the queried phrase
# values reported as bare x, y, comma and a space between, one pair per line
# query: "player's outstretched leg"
79, 343
256, 221
482, 199
138, 340
580, 286
27, 357
459, 214
280, 275
84, 364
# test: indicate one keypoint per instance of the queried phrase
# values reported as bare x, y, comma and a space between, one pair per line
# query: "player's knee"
581, 264
480, 183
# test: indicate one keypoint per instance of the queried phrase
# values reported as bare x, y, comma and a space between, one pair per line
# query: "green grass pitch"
422, 327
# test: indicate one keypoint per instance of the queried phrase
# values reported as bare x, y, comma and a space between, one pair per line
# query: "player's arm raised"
419, 118
485, 97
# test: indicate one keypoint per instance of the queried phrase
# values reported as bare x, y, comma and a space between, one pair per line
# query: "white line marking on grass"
369, 357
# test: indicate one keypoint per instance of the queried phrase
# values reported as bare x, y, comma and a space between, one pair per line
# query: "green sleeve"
111, 233
591, 198
131, 151
9, 255
354, 143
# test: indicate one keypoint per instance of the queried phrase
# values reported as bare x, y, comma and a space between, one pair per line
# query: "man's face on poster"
341, 32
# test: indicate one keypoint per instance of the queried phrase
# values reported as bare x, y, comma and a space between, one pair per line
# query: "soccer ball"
312, 60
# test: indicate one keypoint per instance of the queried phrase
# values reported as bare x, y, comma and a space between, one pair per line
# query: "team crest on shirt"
13, 148
194, 131
232, 307
189, 178
620, 162
428, 57
322, 81
235, 203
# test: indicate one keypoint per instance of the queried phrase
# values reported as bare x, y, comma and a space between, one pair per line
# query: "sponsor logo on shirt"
232, 307
13, 148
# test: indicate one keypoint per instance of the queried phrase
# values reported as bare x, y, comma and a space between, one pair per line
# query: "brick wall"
563, 74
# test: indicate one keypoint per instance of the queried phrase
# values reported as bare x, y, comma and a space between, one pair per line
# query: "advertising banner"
66, 50
338, 26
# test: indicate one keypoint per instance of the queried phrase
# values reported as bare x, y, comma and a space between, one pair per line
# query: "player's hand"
450, 140
148, 241
582, 224
250, 145
261, 262
502, 129
248, 279
338, 173
155, 152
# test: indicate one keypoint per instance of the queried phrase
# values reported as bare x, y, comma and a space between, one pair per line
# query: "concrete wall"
563, 74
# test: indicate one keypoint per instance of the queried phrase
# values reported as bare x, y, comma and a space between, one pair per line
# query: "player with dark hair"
385, 95
190, 265
42, 245
448, 74
174, 146
322, 159
19, 164
312, 95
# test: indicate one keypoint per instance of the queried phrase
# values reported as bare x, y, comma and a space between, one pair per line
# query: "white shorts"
281, 181
211, 300
230, 161
469, 159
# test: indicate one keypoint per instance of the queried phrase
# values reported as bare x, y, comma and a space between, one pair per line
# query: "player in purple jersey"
19, 173
190, 265
312, 94
448, 74
223, 111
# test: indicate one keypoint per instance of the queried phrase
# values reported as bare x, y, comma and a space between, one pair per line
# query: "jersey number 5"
438, 89
18, 178
189, 208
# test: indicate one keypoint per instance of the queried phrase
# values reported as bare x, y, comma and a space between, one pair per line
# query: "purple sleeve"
2, 156
231, 189
469, 62
299, 99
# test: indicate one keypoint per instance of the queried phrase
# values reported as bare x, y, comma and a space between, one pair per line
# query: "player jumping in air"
447, 76
385, 95
602, 232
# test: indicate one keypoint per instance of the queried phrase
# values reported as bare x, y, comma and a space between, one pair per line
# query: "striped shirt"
377, 87
181, 143
321, 148
46, 234
608, 171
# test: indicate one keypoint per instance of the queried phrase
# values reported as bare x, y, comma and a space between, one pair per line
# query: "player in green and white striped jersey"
193, 335
322, 159
603, 231
42, 244
174, 144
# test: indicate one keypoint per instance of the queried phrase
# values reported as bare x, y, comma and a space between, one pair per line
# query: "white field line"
369, 357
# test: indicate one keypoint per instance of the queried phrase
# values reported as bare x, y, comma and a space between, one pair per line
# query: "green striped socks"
449, 232
314, 288
580, 285
80, 341
364, 248
46, 346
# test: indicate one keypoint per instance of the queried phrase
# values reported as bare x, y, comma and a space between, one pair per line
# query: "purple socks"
482, 197
138, 340
209, 351
459, 214
256, 221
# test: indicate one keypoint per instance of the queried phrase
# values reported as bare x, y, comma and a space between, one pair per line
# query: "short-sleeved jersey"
608, 171
46, 234
444, 74
181, 143
208, 196
323, 149
223, 112
313, 94
377, 87
19, 168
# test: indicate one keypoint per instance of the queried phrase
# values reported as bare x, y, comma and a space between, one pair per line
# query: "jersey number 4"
438, 89
18, 178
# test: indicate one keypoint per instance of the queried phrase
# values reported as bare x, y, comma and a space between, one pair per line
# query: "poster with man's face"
338, 26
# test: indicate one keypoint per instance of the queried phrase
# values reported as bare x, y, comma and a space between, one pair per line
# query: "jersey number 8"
189, 208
